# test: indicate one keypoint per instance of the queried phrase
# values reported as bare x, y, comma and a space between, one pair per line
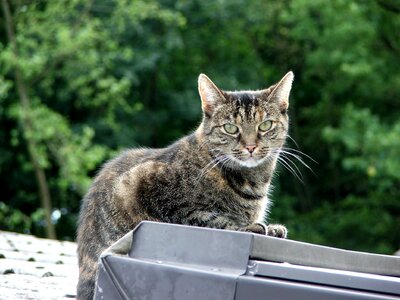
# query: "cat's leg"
225, 221
211, 220
222, 221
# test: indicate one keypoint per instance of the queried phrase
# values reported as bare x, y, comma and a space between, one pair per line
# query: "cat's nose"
251, 148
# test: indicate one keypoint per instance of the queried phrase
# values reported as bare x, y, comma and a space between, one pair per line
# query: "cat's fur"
210, 178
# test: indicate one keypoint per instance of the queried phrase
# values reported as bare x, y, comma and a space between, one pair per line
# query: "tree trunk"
26, 124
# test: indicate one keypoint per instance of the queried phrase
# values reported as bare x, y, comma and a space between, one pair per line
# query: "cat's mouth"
250, 160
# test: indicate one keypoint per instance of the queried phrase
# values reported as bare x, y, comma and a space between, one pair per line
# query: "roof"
243, 265
35, 268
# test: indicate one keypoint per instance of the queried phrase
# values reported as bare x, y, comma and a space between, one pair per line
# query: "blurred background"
81, 80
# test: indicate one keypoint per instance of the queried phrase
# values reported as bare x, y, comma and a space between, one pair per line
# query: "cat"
218, 176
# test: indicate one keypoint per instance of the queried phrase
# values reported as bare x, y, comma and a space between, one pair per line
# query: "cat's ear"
210, 94
281, 91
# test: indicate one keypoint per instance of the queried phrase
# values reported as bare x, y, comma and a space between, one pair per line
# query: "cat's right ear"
210, 94
281, 91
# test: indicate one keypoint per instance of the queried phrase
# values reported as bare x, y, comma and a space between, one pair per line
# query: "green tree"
106, 75
73, 76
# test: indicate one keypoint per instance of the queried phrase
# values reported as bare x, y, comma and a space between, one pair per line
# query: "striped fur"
208, 178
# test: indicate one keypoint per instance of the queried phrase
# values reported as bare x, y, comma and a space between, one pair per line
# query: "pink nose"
251, 148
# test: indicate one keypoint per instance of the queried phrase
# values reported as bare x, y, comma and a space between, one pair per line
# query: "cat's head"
245, 128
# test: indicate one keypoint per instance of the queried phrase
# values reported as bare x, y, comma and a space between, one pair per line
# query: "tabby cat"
219, 176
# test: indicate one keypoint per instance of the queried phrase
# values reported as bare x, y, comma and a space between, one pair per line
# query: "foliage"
106, 75
368, 216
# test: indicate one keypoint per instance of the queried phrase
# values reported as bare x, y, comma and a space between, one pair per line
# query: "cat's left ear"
281, 91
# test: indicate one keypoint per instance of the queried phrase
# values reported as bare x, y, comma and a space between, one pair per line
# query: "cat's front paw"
256, 228
277, 230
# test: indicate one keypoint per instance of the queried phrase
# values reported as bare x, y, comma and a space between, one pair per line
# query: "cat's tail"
86, 284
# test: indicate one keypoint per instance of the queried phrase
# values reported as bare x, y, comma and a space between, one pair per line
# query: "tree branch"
26, 123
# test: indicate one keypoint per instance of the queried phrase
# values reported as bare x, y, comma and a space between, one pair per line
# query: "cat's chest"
247, 186
255, 188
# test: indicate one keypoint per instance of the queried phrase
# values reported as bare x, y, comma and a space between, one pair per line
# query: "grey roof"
35, 268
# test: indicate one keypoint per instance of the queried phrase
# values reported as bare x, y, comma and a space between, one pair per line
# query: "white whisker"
289, 168
292, 163
211, 165
300, 152
299, 159
292, 139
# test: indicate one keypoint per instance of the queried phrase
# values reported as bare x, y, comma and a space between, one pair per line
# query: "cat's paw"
277, 230
256, 228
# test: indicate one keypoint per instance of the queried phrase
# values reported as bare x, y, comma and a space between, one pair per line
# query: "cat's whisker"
287, 166
211, 165
222, 161
300, 152
292, 163
227, 161
203, 143
205, 169
293, 140
299, 159
287, 162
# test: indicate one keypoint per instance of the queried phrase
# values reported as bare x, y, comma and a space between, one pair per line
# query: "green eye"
265, 126
231, 129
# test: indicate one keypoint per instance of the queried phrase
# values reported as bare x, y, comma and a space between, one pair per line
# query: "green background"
103, 76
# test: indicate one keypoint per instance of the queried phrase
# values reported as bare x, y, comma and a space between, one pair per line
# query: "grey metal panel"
255, 288
166, 261
106, 288
280, 250
346, 279
148, 280
217, 249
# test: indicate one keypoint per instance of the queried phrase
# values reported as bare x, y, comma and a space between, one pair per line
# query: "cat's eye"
231, 129
265, 126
